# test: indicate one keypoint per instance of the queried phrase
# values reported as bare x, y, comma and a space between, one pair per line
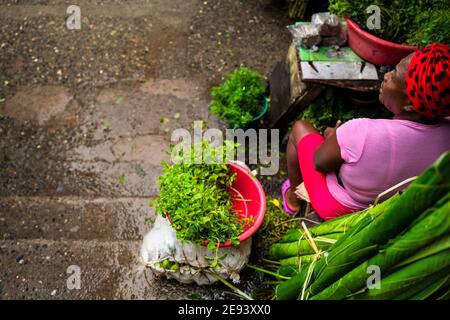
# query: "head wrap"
428, 81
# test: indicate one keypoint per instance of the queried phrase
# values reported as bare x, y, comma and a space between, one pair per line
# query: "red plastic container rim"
262, 209
356, 28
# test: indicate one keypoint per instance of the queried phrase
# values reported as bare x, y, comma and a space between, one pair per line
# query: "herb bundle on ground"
240, 98
196, 199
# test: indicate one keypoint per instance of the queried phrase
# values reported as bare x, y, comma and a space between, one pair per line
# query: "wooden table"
290, 94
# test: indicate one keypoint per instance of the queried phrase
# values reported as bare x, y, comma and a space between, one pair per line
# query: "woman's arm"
327, 157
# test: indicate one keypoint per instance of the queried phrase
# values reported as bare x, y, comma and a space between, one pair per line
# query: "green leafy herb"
240, 98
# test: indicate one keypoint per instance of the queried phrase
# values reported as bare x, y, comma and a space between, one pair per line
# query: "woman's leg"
300, 129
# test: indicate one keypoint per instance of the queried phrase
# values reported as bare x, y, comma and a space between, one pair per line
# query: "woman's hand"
329, 131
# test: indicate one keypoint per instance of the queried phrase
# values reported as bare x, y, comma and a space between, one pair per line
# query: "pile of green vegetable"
414, 22
407, 237
240, 98
276, 222
196, 199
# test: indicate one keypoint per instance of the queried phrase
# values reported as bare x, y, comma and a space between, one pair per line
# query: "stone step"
80, 179
153, 107
113, 148
38, 269
73, 218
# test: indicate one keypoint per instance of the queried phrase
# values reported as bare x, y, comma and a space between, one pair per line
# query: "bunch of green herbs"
240, 98
195, 197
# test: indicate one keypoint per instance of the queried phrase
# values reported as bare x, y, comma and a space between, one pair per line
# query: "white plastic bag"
161, 243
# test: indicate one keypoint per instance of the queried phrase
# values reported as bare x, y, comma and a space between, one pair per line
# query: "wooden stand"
290, 94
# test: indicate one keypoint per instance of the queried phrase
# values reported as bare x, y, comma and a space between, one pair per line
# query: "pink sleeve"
351, 137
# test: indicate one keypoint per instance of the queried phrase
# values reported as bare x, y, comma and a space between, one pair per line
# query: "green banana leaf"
421, 235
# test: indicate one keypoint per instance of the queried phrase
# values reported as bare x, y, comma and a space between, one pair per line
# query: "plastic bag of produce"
327, 24
188, 262
305, 34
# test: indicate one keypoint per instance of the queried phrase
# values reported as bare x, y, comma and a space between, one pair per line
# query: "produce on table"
407, 237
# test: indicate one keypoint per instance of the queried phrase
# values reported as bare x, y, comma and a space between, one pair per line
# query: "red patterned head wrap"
428, 81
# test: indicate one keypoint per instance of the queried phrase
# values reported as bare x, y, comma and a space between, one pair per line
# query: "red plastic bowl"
373, 49
249, 200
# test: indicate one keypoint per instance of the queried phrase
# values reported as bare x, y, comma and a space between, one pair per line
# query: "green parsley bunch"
240, 98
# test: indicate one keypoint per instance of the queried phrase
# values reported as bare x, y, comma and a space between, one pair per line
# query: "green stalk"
421, 285
421, 235
423, 193
443, 293
431, 289
295, 261
404, 281
338, 225
229, 285
288, 271
302, 247
290, 289
437, 246
268, 272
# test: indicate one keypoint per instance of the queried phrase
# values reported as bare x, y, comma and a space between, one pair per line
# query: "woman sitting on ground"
347, 169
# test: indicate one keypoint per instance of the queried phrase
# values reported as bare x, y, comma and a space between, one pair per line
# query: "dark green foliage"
435, 28
327, 109
276, 222
240, 98
416, 22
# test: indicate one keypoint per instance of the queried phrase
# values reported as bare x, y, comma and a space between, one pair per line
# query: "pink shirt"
380, 153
